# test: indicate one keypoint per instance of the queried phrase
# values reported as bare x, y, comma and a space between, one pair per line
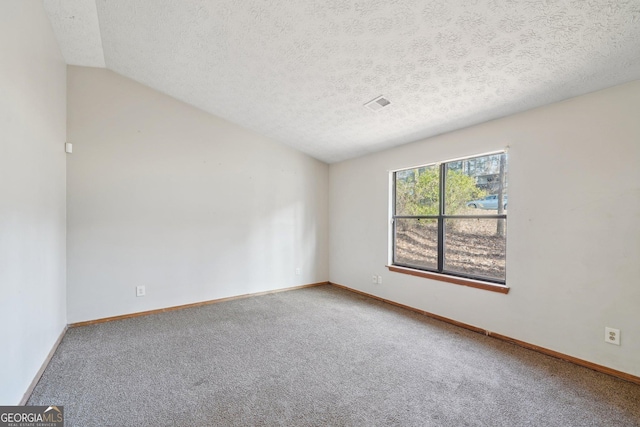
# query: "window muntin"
450, 218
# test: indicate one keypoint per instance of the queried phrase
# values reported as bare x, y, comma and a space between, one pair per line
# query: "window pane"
417, 191
475, 186
476, 247
417, 243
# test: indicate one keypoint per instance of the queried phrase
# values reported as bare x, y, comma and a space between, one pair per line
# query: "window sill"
478, 284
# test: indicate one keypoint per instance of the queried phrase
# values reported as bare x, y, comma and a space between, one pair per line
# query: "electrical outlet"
374, 279
379, 280
298, 271
612, 335
140, 291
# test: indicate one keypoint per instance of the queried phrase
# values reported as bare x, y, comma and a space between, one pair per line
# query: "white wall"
32, 194
573, 245
191, 206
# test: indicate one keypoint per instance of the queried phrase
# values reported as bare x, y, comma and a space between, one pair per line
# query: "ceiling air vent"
378, 103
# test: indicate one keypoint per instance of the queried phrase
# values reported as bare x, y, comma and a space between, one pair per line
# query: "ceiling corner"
77, 29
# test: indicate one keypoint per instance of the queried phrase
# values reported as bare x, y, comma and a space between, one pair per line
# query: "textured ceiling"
76, 26
299, 71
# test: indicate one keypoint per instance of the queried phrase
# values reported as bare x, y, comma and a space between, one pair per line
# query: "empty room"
320, 212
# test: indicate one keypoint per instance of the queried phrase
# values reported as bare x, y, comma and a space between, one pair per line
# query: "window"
451, 218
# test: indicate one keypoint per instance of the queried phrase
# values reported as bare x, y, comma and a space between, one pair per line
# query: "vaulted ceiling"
300, 71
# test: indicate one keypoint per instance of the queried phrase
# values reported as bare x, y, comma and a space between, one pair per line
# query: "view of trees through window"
451, 217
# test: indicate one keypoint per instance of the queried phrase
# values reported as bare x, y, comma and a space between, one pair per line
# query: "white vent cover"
377, 103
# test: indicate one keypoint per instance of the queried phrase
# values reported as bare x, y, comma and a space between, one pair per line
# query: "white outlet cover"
140, 291
612, 335
374, 279
379, 280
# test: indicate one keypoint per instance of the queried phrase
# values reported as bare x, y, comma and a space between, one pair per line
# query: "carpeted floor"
312, 357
